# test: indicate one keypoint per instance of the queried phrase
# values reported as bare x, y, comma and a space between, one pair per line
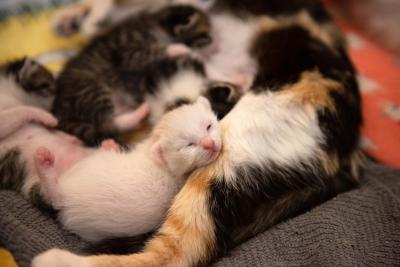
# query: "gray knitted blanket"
357, 228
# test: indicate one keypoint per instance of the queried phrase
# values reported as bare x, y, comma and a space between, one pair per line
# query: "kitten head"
32, 77
187, 137
187, 25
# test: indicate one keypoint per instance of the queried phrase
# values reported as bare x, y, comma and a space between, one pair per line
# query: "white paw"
59, 258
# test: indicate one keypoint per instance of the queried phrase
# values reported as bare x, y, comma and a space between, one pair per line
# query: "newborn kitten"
111, 193
26, 95
120, 70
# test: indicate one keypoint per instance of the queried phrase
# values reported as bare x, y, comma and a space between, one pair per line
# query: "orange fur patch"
313, 90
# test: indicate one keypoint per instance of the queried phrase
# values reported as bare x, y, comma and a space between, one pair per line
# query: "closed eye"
190, 144
209, 127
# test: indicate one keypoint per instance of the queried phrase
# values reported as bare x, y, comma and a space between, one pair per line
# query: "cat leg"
132, 120
14, 118
45, 166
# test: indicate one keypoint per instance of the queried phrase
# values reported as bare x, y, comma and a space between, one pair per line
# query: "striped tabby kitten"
128, 65
289, 144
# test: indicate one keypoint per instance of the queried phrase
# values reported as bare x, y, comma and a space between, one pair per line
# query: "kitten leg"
45, 166
176, 50
14, 118
132, 120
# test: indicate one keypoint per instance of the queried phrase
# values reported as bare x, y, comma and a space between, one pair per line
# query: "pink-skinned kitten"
112, 193
26, 125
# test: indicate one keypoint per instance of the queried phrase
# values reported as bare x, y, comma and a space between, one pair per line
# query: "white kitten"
112, 193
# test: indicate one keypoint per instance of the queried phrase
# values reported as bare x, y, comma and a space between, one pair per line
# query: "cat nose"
207, 143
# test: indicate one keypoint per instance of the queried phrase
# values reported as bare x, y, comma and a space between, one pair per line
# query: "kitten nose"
207, 143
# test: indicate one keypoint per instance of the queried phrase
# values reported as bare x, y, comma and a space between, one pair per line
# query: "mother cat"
289, 144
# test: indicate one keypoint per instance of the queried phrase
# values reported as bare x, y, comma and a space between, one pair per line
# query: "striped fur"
289, 144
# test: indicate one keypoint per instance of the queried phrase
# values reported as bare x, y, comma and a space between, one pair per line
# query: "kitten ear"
204, 102
158, 152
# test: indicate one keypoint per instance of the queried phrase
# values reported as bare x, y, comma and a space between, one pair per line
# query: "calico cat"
128, 65
26, 95
111, 193
289, 144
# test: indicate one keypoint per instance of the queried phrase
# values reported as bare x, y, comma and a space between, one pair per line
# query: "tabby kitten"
289, 144
128, 65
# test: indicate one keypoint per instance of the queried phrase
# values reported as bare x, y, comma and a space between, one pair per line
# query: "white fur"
232, 38
270, 128
59, 258
112, 194
185, 84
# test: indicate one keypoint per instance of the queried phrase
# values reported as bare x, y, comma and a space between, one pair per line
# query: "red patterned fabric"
379, 77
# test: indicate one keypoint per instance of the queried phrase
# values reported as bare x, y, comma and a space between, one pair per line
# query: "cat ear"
204, 102
158, 152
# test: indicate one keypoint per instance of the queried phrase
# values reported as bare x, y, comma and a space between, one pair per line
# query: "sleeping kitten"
127, 66
289, 144
26, 95
110, 193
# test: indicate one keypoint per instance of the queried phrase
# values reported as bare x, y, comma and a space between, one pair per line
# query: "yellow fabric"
31, 35
6, 260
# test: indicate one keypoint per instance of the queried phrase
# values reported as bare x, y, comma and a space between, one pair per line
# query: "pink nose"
207, 143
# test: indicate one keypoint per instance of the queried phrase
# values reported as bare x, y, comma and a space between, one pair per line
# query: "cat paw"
42, 117
110, 144
44, 158
176, 50
68, 21
59, 258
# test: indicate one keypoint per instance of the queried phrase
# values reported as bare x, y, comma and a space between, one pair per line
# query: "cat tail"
14, 176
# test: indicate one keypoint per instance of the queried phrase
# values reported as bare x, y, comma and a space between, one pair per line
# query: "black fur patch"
284, 54
118, 245
223, 97
12, 170
276, 7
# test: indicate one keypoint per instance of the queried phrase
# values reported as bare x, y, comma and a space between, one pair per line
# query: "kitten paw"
49, 121
68, 21
176, 50
59, 258
44, 158
110, 144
